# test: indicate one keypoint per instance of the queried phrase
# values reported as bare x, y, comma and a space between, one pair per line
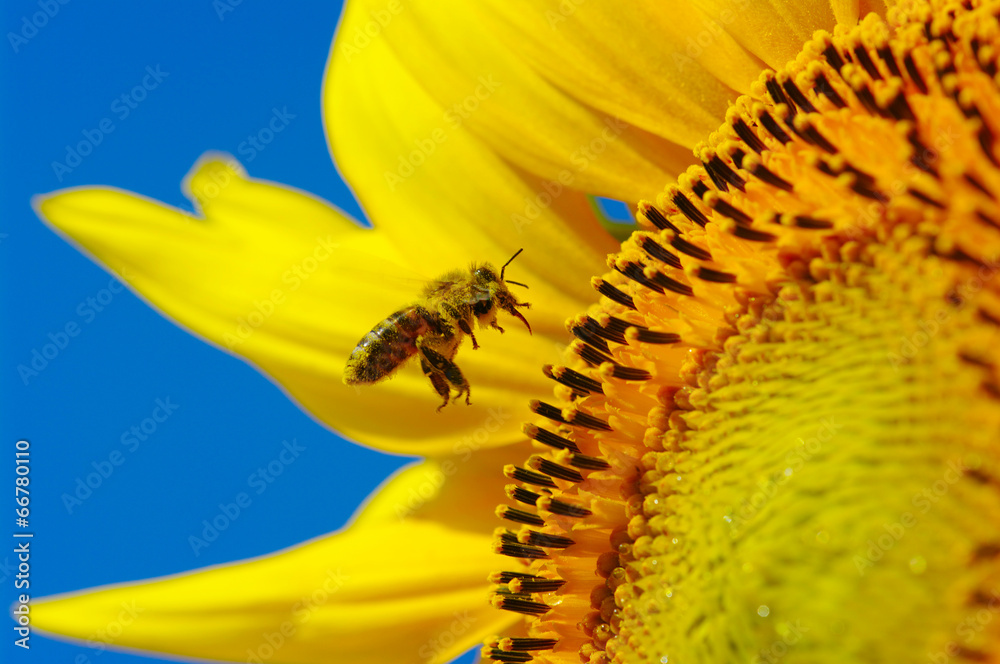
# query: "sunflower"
773, 434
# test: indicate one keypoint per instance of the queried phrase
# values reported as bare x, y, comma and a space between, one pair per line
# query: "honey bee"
435, 327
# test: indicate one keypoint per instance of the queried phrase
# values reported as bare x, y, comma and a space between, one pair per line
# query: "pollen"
776, 437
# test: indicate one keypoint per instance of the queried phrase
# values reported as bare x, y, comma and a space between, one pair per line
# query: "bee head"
494, 288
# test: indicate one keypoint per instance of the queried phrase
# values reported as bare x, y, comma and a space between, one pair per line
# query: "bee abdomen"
387, 346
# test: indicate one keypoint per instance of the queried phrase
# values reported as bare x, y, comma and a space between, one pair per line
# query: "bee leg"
437, 380
467, 328
445, 370
442, 387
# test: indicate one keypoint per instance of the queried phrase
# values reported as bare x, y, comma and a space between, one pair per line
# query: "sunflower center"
821, 480
776, 436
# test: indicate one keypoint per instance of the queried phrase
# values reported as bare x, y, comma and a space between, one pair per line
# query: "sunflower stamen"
534, 586
612, 292
714, 276
608, 328
914, 73
527, 607
685, 247
580, 418
547, 411
579, 329
588, 462
614, 370
636, 272
726, 209
521, 495
699, 188
526, 476
745, 233
554, 470
548, 438
746, 135
797, 96
563, 508
777, 94
506, 577
576, 381
588, 354
925, 198
518, 550
762, 173
687, 208
647, 336
656, 252
546, 540
722, 175
663, 282
519, 516
656, 218
809, 133
507, 657
523, 643
771, 125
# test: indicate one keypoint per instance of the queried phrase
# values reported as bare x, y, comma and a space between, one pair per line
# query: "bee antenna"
517, 283
508, 263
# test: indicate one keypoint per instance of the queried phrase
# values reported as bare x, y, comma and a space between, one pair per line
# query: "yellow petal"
772, 31
647, 64
668, 70
430, 88
286, 281
459, 490
384, 590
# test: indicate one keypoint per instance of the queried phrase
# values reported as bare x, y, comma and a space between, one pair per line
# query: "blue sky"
162, 426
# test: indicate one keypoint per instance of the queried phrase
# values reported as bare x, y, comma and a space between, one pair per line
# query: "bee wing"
413, 285
442, 286
383, 274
